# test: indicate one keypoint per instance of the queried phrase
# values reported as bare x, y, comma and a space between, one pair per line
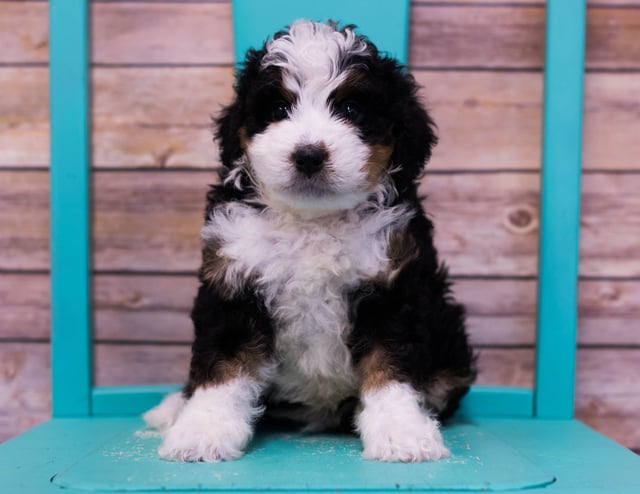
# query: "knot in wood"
521, 219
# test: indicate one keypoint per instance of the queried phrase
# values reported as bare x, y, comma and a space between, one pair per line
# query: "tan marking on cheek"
378, 162
375, 371
244, 140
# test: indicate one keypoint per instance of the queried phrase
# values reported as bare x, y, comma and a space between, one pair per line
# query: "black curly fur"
415, 319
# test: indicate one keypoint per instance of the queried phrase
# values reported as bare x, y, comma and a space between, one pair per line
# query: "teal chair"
503, 439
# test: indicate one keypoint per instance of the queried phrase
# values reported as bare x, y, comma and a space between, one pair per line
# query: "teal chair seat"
502, 439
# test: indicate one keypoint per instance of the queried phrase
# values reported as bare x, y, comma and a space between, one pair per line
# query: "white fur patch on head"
310, 54
393, 426
310, 57
215, 424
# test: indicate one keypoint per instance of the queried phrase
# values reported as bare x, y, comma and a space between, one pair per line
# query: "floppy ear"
414, 131
232, 117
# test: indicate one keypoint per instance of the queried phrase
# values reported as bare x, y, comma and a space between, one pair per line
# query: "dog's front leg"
393, 423
230, 366
216, 423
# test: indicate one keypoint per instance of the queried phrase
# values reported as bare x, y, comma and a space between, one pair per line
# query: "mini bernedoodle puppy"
322, 299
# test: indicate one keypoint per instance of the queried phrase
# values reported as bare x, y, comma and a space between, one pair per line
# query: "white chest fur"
304, 269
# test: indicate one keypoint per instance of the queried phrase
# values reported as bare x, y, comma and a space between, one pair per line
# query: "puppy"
322, 299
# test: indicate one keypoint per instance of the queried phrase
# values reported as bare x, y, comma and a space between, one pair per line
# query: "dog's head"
321, 120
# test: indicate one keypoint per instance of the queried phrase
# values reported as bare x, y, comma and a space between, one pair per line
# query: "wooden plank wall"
160, 68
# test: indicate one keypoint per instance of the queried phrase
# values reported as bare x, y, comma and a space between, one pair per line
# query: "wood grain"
137, 33
486, 224
24, 306
160, 117
155, 308
25, 390
24, 32
455, 35
24, 116
440, 36
24, 220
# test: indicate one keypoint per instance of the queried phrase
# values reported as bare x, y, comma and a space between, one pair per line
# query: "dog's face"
321, 121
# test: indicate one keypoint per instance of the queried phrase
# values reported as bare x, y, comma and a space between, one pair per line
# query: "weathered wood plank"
486, 224
611, 110
486, 120
24, 116
25, 389
610, 231
24, 32
441, 35
24, 306
503, 312
144, 308
155, 308
160, 117
471, 36
136, 33
150, 221
24, 220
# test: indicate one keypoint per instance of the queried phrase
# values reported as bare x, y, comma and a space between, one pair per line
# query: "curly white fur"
216, 423
394, 426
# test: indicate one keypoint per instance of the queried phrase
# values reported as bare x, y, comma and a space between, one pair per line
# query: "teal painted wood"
70, 208
580, 460
128, 400
294, 462
385, 22
560, 208
482, 401
497, 401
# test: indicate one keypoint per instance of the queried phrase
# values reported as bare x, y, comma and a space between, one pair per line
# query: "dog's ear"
232, 118
414, 131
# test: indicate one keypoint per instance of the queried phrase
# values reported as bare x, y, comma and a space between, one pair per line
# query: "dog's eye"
350, 110
279, 110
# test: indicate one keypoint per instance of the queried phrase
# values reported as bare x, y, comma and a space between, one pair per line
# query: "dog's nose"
310, 158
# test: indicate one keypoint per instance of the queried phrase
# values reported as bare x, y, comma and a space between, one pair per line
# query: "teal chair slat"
70, 209
560, 208
482, 401
385, 22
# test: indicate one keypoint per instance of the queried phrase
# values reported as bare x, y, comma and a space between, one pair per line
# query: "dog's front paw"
415, 442
214, 425
393, 427
162, 416
199, 438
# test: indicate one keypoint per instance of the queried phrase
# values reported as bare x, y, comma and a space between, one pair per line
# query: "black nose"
310, 158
